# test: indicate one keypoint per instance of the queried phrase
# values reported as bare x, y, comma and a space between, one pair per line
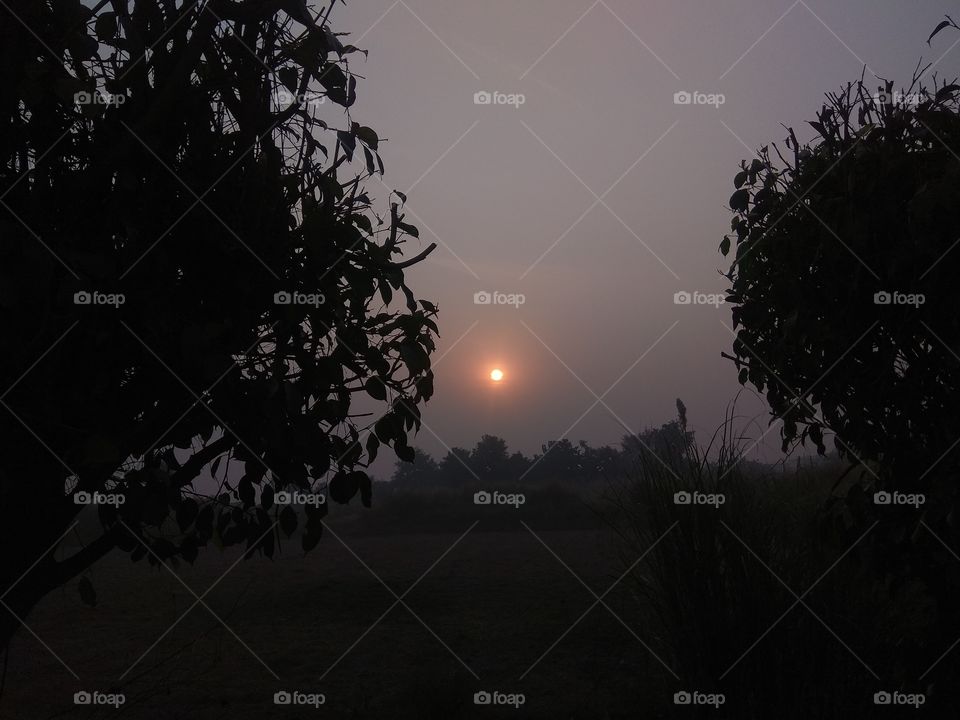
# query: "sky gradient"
599, 197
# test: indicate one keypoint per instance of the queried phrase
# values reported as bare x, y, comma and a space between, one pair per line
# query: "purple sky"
510, 193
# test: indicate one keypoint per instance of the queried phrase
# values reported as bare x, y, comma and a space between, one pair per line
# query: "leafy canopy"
193, 277
844, 276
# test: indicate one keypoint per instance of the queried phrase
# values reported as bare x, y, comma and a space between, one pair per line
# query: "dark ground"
498, 600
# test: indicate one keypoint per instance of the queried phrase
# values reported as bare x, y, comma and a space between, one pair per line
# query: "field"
410, 609
490, 606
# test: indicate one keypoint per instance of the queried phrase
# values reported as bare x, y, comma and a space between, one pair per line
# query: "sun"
496, 374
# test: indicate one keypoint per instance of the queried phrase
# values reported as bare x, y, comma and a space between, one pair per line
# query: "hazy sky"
510, 192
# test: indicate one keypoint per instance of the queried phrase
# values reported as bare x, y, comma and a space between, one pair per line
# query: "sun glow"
496, 374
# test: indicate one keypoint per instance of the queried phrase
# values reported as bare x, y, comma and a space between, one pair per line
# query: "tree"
844, 303
188, 281
490, 459
423, 471
560, 460
843, 282
455, 467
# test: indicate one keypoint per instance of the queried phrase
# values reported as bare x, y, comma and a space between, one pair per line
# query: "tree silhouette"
424, 470
844, 279
489, 458
191, 285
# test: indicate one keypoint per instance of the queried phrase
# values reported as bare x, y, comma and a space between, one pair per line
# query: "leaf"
409, 229
368, 136
725, 246
941, 27
348, 142
946, 92
368, 157
373, 444
362, 221
87, 594
343, 487
376, 389
740, 201
415, 357
402, 196
106, 26
288, 520
404, 452
82, 46
740, 179
411, 301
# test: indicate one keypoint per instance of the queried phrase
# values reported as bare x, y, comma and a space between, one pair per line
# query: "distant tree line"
558, 461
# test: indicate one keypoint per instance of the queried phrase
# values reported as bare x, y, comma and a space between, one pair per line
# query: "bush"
713, 584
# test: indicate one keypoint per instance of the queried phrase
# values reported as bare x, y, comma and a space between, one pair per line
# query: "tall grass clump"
714, 587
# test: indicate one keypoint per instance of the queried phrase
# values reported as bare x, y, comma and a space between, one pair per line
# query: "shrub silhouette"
843, 281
